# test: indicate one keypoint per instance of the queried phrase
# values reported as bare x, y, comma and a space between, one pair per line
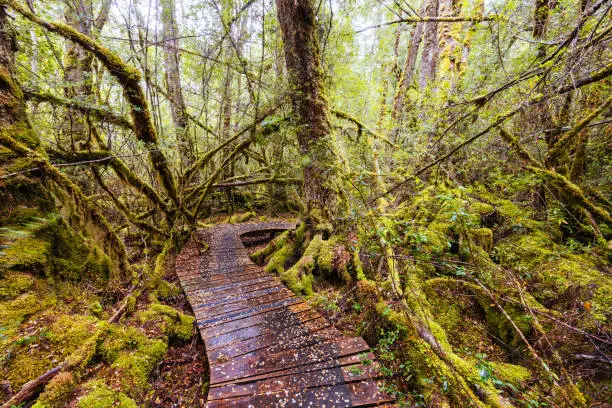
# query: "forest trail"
267, 347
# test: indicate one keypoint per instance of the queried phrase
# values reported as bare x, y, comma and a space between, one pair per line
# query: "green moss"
166, 290
25, 365
510, 373
524, 253
601, 303
480, 208
118, 338
27, 254
14, 284
279, 259
15, 311
6, 154
569, 278
58, 392
244, 217
433, 240
306, 283
300, 235
510, 215
483, 237
20, 215
69, 332
274, 245
23, 133
320, 221
296, 278
358, 265
500, 325
177, 325
130, 305
99, 395
135, 366
325, 258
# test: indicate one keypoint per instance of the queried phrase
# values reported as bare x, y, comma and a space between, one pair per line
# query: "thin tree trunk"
429, 58
448, 34
178, 108
401, 95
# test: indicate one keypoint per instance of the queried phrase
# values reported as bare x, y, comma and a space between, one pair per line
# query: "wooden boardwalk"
267, 347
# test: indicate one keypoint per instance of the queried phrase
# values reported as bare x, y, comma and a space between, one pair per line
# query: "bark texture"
429, 58
298, 24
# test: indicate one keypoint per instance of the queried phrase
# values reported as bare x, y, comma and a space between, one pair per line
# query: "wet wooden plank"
359, 394
297, 335
340, 362
271, 324
251, 320
238, 296
241, 314
260, 362
296, 381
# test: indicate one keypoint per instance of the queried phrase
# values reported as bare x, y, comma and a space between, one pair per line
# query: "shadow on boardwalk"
266, 346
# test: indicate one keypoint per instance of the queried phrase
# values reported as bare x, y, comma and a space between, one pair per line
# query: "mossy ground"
48, 314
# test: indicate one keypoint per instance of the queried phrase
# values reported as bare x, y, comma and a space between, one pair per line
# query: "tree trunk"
429, 58
401, 95
448, 35
540, 24
174, 89
77, 74
306, 78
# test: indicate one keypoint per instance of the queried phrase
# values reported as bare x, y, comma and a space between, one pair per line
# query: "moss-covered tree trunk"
77, 74
407, 76
308, 96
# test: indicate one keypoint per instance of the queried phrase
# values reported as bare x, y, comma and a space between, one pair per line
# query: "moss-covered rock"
483, 237
176, 325
480, 208
134, 366
99, 395
58, 392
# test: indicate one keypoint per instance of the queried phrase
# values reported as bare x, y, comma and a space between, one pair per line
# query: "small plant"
355, 370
